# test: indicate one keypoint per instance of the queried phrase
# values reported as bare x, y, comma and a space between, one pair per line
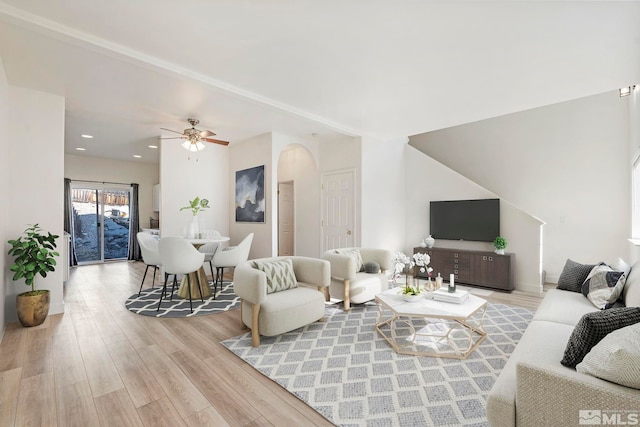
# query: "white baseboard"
529, 288
552, 278
56, 309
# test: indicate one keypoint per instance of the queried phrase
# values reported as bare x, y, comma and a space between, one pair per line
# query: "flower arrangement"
196, 205
419, 262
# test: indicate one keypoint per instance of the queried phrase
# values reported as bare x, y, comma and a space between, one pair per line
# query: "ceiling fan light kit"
193, 137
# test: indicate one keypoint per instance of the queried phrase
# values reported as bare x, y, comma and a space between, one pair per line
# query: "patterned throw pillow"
280, 275
355, 254
603, 286
573, 276
592, 327
616, 358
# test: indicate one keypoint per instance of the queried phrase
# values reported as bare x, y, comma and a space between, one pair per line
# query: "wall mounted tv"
475, 220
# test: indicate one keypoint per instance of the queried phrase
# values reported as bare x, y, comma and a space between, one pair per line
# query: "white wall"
35, 175
634, 152
244, 155
383, 221
4, 190
85, 168
567, 164
427, 180
184, 176
298, 165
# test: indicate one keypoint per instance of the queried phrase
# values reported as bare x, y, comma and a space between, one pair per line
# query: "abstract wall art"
250, 201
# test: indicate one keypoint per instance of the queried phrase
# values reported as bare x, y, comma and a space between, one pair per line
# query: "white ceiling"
359, 67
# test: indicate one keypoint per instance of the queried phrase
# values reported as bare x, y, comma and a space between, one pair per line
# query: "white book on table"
444, 295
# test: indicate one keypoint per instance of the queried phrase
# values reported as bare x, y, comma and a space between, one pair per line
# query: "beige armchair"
272, 312
351, 285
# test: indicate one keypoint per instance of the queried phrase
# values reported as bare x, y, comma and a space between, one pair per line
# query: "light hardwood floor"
99, 364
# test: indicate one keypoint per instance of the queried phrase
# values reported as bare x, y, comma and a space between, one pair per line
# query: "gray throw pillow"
372, 267
594, 326
573, 276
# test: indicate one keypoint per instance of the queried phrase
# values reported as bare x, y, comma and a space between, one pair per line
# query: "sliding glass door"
101, 215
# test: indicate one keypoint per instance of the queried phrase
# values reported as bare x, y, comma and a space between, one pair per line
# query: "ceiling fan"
193, 137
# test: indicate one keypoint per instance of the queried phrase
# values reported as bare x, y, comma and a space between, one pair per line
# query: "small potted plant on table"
34, 253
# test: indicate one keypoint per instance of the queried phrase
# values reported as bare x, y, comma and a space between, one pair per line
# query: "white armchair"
351, 285
275, 313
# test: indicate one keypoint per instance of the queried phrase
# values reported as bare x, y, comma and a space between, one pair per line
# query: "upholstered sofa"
535, 389
275, 301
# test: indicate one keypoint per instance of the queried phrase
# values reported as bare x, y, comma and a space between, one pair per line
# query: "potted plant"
195, 205
34, 253
500, 243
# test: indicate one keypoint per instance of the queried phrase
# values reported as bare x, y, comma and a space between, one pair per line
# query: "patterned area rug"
147, 303
348, 373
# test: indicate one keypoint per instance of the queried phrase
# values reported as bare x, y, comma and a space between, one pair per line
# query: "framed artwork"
250, 199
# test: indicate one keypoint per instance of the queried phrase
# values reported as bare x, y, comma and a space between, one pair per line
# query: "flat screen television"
474, 220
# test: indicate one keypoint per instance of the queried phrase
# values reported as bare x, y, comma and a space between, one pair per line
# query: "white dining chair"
230, 257
209, 250
150, 255
178, 256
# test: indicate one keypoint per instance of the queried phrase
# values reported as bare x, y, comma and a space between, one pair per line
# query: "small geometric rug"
348, 373
147, 303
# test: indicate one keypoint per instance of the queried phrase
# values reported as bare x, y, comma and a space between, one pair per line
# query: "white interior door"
285, 219
338, 210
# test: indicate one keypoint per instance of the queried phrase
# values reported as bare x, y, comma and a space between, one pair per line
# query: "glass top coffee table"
430, 328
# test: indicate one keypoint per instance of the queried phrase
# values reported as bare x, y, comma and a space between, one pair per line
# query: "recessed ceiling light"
87, 136
137, 156
153, 146
81, 149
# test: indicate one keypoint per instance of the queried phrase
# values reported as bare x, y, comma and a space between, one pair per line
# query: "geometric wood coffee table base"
431, 328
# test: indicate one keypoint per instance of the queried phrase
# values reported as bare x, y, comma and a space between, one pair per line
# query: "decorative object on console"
500, 243
430, 241
250, 197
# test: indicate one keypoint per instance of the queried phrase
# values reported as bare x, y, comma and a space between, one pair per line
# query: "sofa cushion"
603, 286
541, 343
616, 358
592, 328
355, 254
563, 307
362, 289
631, 291
280, 275
573, 275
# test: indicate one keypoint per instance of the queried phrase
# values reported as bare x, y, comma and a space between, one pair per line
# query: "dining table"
183, 290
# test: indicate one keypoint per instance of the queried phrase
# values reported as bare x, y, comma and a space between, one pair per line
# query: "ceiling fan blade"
172, 137
174, 131
216, 141
206, 134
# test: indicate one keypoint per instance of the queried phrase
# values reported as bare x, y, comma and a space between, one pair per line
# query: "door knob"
348, 232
